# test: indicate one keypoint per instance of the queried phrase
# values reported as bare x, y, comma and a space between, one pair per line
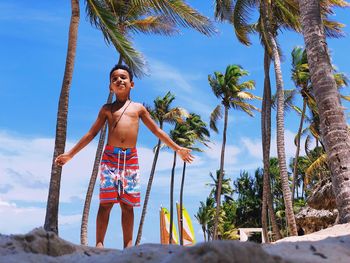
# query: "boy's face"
120, 83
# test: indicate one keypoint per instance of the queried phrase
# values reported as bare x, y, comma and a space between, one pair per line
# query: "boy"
119, 178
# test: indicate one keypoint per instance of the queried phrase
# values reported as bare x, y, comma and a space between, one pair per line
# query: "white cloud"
12, 217
214, 152
254, 146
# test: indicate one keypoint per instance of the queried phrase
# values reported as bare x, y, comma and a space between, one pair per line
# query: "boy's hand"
62, 159
185, 154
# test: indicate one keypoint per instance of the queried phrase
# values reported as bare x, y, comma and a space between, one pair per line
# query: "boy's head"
123, 67
121, 81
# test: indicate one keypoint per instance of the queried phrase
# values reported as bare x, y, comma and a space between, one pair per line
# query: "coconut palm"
333, 126
302, 80
51, 218
274, 15
182, 136
197, 133
226, 188
161, 113
205, 216
281, 14
232, 94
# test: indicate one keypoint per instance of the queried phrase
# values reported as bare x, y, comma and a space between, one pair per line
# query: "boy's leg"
127, 223
102, 223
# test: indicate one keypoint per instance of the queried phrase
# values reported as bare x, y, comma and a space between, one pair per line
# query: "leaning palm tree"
232, 94
51, 218
161, 113
334, 132
197, 133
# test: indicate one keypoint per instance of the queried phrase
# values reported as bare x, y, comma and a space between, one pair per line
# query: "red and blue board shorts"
119, 176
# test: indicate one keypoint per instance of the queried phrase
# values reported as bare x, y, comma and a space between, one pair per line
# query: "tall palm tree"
161, 113
334, 131
267, 200
232, 94
281, 14
51, 218
180, 135
120, 18
197, 133
274, 15
302, 80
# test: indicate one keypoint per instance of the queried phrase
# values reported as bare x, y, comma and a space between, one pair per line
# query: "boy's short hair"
123, 67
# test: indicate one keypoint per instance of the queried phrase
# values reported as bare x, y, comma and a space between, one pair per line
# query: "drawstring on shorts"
121, 176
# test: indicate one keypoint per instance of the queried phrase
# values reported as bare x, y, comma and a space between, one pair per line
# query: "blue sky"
33, 51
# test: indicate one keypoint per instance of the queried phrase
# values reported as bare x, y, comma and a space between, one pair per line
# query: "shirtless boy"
119, 177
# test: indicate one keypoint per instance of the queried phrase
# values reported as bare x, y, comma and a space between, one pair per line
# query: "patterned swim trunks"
119, 176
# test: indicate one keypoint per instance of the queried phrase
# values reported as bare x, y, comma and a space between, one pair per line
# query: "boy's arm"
85, 140
163, 136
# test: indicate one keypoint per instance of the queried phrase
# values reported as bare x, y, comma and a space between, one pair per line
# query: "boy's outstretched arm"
85, 140
153, 127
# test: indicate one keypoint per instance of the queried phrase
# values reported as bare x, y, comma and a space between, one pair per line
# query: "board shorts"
119, 176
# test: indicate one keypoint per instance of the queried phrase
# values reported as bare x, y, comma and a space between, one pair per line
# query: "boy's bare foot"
99, 245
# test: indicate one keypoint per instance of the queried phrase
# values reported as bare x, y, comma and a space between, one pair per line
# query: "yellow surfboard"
165, 226
188, 231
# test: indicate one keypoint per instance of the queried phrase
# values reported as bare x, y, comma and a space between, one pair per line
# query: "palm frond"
223, 10
321, 161
240, 17
101, 16
180, 13
153, 25
214, 117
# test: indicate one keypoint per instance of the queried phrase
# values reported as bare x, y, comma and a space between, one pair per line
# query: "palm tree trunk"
295, 168
181, 204
266, 141
287, 196
51, 218
204, 231
334, 133
90, 191
172, 200
148, 192
222, 161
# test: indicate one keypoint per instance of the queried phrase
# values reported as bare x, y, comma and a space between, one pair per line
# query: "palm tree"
226, 188
205, 216
274, 15
334, 130
51, 218
180, 135
267, 200
197, 133
301, 78
281, 14
232, 94
161, 113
